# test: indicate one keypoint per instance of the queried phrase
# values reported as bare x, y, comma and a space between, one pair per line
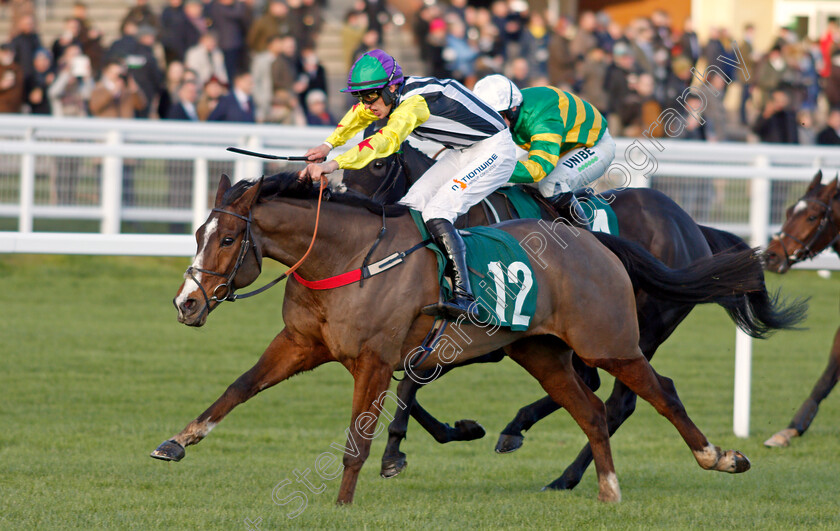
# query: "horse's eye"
812, 218
378, 164
227, 242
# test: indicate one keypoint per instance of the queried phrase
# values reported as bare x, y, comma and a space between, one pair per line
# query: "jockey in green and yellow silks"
567, 139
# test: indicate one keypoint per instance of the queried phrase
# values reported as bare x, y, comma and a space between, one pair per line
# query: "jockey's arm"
403, 120
543, 154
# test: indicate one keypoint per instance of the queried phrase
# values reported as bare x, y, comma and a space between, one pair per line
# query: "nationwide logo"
580, 157
462, 184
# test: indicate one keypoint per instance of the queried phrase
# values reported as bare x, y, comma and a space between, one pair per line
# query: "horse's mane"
287, 185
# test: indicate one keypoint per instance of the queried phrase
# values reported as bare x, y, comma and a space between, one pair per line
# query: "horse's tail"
709, 279
758, 313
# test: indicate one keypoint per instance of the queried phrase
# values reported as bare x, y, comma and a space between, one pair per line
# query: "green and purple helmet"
372, 71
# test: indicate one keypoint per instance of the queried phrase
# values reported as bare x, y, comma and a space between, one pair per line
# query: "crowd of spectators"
231, 60
216, 60
632, 73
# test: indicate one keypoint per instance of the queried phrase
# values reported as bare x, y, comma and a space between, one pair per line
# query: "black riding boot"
462, 301
569, 209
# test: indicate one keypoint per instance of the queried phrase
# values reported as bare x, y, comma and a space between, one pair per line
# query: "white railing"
735, 187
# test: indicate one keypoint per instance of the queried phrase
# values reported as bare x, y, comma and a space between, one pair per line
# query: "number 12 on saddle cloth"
500, 275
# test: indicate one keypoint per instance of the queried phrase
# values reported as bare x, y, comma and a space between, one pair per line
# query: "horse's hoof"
469, 430
392, 466
781, 439
562, 483
169, 451
509, 443
733, 462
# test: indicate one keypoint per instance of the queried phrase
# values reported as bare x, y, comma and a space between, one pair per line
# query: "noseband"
806, 250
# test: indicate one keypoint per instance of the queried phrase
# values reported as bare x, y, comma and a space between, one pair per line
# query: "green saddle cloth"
524, 204
600, 215
501, 276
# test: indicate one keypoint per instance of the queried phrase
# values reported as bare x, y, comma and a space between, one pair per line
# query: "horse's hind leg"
511, 438
540, 357
803, 418
286, 356
393, 460
637, 374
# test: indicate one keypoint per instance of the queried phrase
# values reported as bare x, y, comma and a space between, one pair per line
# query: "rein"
806, 250
229, 294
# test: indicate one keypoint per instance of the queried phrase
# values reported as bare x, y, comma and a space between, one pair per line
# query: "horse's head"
811, 225
387, 180
227, 257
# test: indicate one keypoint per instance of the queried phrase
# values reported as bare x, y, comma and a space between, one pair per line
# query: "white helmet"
499, 92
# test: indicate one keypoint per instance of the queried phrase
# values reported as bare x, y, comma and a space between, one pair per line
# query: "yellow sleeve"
403, 120
356, 119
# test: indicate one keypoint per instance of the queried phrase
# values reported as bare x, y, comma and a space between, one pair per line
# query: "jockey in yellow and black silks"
481, 160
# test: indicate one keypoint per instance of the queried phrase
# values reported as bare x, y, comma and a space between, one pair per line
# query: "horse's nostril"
188, 305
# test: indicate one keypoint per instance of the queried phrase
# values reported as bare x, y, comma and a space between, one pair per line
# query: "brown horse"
585, 302
646, 217
811, 226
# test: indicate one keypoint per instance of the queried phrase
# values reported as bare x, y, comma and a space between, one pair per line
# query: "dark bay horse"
646, 217
589, 307
811, 226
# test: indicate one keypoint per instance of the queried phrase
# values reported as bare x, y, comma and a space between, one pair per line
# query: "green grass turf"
96, 372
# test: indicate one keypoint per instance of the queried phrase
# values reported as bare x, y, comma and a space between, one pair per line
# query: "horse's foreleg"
803, 418
370, 390
562, 383
393, 460
286, 356
637, 374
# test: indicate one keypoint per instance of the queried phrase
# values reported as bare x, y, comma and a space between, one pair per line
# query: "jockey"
442, 110
567, 139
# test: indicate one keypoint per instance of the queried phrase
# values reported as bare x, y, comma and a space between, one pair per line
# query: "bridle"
247, 243
806, 250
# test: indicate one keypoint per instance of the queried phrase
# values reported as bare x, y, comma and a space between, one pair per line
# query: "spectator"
806, 136
144, 70
830, 136
69, 36
285, 71
230, 21
771, 72
312, 20
534, 44
275, 21
435, 48
39, 82
173, 23
617, 86
285, 109
519, 73
748, 54
261, 71
141, 14
832, 83
125, 45
829, 42
117, 94
312, 72
238, 104
717, 129
12, 83
168, 95
689, 43
213, 91
584, 40
593, 76
184, 107
354, 27
25, 43
777, 122
458, 53
316, 109
561, 63
207, 60
70, 92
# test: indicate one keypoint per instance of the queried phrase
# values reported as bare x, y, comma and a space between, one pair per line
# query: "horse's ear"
830, 189
224, 186
815, 181
251, 195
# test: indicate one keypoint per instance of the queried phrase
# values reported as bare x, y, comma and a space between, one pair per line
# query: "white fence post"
759, 232
27, 186
199, 193
112, 173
